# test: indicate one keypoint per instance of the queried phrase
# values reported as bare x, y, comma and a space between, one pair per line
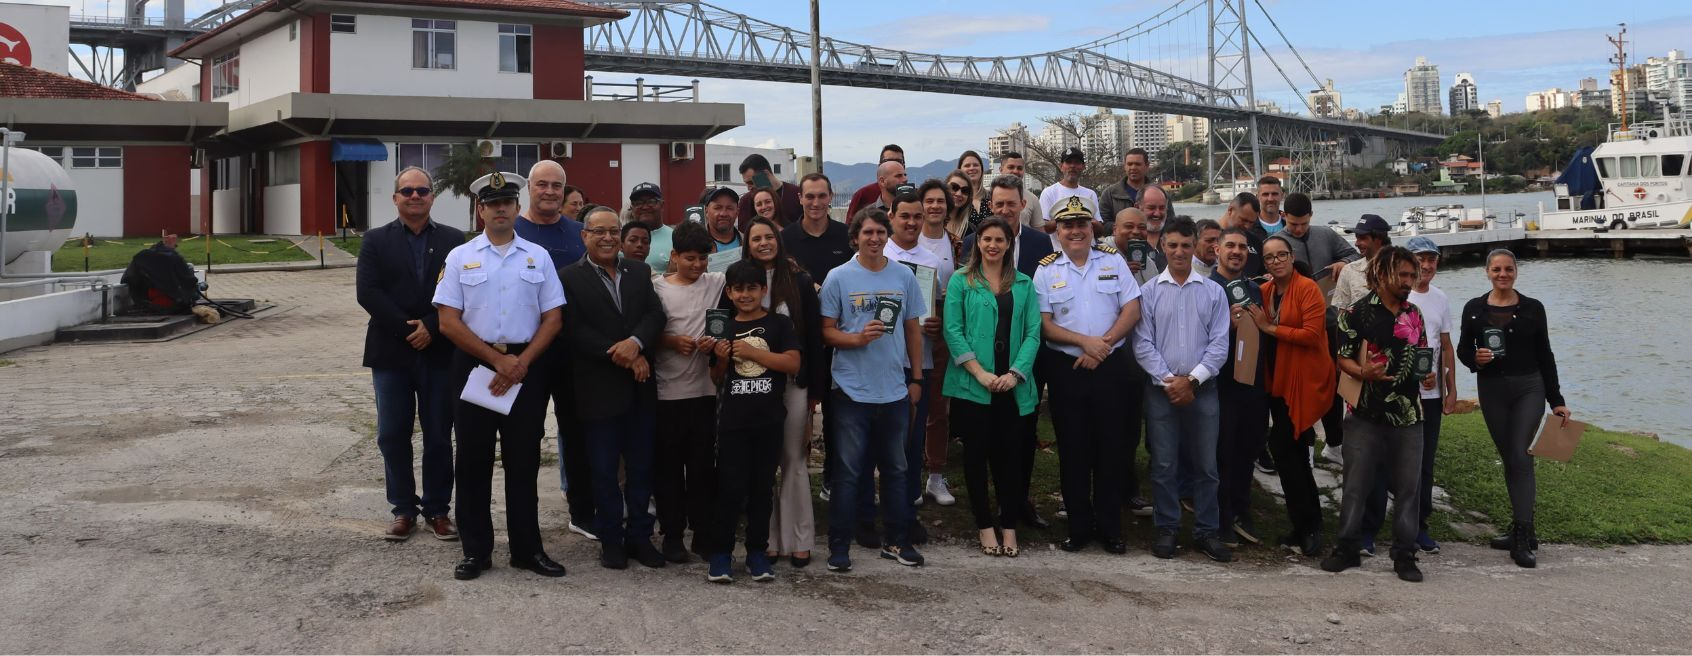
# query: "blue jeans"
1186, 435
625, 439
915, 446
868, 435
422, 392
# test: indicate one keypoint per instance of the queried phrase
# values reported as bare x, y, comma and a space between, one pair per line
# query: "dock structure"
1619, 244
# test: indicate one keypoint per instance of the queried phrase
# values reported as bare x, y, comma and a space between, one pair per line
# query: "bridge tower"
120, 50
1231, 141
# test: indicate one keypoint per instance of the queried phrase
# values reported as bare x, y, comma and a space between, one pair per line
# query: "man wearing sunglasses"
407, 356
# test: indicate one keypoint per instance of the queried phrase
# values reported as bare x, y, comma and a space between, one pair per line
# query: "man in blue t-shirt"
870, 307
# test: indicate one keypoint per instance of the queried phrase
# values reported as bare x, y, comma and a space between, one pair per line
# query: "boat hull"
1677, 214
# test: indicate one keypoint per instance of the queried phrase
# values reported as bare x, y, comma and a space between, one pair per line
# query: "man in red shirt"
876, 191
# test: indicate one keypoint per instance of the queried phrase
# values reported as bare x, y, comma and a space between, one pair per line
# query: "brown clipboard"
1247, 341
1351, 387
1557, 438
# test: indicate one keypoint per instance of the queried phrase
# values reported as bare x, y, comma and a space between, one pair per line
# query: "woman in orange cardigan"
1301, 385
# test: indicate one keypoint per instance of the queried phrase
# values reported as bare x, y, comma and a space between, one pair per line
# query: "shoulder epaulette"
1106, 248
1048, 259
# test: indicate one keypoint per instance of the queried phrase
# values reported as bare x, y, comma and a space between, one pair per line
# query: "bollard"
86, 238
321, 263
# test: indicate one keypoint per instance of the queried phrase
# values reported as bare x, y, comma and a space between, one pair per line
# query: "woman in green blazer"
992, 326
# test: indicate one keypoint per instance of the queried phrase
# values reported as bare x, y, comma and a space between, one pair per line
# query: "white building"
1108, 136
1013, 139
722, 166
1399, 105
1464, 95
1325, 102
1056, 139
1148, 130
1495, 108
328, 100
1553, 98
1670, 79
1421, 88
1191, 129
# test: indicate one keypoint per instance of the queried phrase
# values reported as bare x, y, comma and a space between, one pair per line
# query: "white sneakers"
936, 489
1332, 454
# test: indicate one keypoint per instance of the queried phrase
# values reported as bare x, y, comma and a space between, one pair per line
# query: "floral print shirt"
1393, 340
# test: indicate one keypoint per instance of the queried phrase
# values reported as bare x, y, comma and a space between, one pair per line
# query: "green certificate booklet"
1237, 292
1493, 338
887, 311
717, 322
1138, 251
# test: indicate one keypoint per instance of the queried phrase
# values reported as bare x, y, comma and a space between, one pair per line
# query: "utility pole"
1620, 60
816, 85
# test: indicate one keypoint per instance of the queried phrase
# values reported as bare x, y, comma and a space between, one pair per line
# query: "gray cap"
1422, 245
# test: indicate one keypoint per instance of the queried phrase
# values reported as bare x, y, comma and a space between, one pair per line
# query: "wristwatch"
1194, 380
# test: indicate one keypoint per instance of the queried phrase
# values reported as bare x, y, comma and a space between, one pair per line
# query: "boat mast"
1620, 60
1480, 151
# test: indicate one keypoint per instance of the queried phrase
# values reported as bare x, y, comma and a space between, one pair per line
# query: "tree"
1181, 161
462, 167
1086, 131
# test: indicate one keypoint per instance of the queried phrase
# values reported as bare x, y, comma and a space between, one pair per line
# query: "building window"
226, 74
224, 174
343, 23
777, 169
515, 50
426, 156
720, 173
285, 166
433, 43
55, 152
518, 158
103, 157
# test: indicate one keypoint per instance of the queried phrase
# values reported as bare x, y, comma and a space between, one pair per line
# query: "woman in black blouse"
1516, 383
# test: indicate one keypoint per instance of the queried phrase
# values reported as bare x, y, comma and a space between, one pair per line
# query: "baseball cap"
713, 192
1073, 153
1423, 245
1372, 224
646, 188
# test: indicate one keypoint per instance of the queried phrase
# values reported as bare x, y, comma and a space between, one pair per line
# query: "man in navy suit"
408, 358
1005, 200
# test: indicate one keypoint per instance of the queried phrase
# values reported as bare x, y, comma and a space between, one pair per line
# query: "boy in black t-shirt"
753, 367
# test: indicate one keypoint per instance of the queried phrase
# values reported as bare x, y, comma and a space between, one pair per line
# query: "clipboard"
1247, 341
1556, 439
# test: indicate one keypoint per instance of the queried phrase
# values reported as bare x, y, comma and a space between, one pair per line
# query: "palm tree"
463, 166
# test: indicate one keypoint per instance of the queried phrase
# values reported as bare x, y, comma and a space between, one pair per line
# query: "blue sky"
1512, 48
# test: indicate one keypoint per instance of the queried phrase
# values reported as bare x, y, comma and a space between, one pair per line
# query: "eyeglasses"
409, 191
958, 188
1276, 257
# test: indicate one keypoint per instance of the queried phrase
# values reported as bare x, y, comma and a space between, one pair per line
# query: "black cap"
646, 188
713, 192
1372, 224
1073, 153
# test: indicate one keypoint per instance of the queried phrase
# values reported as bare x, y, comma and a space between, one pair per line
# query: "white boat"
1641, 177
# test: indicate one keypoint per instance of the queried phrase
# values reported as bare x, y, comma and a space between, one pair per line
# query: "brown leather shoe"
442, 528
400, 530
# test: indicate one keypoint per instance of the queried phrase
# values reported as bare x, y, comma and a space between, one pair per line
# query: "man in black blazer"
613, 319
1006, 201
408, 358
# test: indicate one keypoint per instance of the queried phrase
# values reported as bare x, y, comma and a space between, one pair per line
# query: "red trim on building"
155, 190
314, 53
317, 189
589, 168
683, 182
593, 14
558, 62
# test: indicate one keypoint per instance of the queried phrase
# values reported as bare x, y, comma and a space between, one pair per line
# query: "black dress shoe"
539, 564
643, 551
1116, 547
674, 550
1311, 544
799, 562
1073, 545
470, 568
1164, 547
1033, 517
613, 556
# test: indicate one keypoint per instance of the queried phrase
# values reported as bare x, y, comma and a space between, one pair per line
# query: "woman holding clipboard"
1505, 339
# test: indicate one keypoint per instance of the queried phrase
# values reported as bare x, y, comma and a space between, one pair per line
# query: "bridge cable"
1283, 73
1287, 41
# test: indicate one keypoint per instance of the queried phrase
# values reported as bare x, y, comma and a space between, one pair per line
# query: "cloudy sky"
1511, 47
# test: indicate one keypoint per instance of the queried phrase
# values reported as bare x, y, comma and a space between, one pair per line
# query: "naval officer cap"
1073, 210
498, 186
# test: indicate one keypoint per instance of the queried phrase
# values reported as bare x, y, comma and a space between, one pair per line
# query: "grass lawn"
351, 244
116, 253
1618, 489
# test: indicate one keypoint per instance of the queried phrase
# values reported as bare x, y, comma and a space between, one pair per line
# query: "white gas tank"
40, 204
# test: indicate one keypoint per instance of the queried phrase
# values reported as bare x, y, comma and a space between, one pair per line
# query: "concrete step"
143, 327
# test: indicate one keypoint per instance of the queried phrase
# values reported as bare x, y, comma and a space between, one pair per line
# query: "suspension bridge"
1192, 58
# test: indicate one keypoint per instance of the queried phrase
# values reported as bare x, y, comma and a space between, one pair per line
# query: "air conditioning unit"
681, 150
488, 147
560, 150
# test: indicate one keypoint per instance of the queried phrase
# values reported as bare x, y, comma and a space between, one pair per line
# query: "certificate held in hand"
476, 391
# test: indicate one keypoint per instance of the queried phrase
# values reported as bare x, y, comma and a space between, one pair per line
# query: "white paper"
721, 260
926, 280
476, 391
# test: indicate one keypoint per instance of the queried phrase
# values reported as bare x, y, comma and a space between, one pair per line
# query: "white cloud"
937, 33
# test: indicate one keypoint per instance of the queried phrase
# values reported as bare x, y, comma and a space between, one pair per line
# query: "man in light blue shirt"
1181, 343
870, 307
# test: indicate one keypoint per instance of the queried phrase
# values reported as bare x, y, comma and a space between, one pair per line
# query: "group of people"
685, 353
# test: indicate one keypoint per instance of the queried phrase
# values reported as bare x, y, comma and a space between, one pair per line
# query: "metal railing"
87, 20
640, 91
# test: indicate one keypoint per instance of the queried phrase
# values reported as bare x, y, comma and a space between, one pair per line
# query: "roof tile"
25, 82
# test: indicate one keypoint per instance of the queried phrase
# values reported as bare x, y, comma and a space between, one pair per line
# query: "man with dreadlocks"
1382, 342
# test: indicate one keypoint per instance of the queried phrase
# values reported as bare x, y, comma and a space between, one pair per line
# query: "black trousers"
992, 437
683, 470
1132, 402
518, 435
1244, 426
746, 466
1333, 423
1091, 450
575, 472
1292, 462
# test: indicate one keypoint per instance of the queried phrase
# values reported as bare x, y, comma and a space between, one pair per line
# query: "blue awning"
358, 150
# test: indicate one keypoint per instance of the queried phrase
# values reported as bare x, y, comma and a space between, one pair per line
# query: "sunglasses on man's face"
419, 191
